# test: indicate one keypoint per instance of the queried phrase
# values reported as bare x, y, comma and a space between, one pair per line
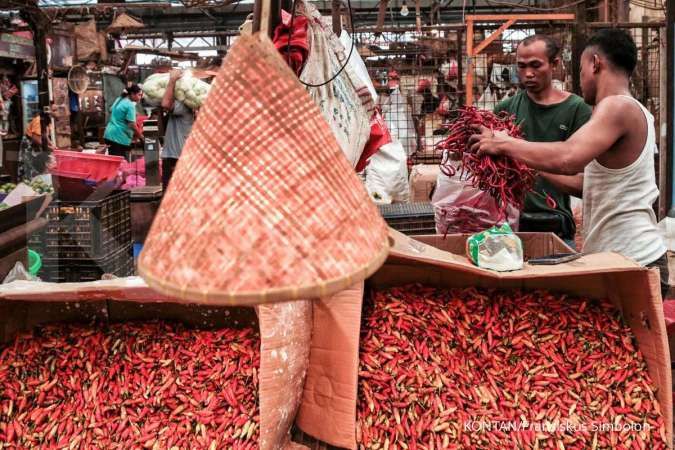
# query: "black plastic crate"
88, 229
36, 241
56, 270
410, 218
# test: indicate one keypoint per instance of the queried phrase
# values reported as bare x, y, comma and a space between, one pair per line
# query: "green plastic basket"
34, 262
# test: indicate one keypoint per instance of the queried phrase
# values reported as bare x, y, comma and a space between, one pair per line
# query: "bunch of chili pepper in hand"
506, 179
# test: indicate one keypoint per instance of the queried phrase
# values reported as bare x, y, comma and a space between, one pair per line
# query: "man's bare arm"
167, 100
568, 184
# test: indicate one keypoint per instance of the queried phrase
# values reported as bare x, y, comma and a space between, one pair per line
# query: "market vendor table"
144, 203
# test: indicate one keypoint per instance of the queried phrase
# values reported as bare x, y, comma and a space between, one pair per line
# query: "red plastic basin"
97, 167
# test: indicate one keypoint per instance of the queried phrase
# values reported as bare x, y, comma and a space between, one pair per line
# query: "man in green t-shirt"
545, 114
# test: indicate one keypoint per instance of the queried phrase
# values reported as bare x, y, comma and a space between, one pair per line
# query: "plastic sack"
19, 273
133, 181
398, 117
189, 90
340, 101
379, 136
387, 175
496, 249
462, 208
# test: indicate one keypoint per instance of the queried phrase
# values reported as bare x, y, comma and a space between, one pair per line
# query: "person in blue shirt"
122, 128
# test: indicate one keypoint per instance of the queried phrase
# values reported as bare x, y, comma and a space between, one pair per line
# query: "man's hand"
175, 74
488, 142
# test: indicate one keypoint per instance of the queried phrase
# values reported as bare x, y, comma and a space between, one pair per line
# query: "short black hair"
618, 46
552, 46
133, 89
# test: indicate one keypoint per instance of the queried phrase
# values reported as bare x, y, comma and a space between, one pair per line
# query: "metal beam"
518, 17
626, 24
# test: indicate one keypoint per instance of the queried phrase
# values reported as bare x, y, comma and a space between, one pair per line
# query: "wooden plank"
469, 66
265, 17
16, 47
490, 39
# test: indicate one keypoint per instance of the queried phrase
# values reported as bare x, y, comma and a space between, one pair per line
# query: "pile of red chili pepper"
130, 386
506, 179
487, 369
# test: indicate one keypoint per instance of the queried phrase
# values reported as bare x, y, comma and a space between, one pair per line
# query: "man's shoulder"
510, 104
576, 101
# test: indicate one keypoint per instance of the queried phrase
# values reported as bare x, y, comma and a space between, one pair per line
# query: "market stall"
336, 259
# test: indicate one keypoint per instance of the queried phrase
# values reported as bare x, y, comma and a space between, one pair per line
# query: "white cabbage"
189, 90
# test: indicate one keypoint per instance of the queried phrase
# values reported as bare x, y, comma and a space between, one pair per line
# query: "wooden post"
381, 14
622, 10
418, 16
460, 71
469, 62
40, 28
336, 6
604, 11
664, 154
266, 16
645, 63
670, 103
578, 42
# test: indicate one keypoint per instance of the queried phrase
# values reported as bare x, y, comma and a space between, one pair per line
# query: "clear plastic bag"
496, 249
462, 208
19, 272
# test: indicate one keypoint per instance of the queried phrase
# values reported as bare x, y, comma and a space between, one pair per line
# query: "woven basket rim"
251, 298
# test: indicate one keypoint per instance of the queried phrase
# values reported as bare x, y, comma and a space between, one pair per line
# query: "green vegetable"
190, 90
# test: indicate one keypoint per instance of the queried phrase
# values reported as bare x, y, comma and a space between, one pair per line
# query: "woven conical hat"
124, 22
263, 206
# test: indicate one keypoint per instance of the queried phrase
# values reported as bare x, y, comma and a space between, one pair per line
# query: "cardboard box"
330, 390
422, 182
285, 332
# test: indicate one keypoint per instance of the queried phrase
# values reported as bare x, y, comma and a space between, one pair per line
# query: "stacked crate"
410, 218
85, 239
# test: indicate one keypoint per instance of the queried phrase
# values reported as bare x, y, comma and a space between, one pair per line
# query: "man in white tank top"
608, 161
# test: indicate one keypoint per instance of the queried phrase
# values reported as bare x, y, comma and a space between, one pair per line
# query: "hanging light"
404, 9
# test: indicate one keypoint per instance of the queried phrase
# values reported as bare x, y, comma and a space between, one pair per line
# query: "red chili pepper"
506, 179
447, 363
136, 385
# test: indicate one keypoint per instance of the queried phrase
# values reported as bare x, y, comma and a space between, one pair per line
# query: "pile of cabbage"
189, 90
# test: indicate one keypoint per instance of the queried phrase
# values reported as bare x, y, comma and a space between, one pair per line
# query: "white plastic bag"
387, 175
398, 117
462, 208
19, 272
189, 90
